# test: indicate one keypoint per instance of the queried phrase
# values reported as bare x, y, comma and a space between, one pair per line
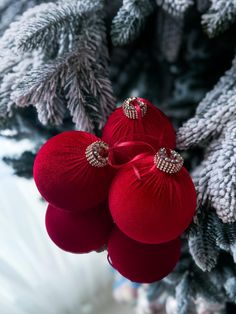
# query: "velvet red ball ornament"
71, 171
138, 119
79, 232
153, 199
143, 263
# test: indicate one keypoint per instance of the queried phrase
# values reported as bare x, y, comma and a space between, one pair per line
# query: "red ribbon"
130, 144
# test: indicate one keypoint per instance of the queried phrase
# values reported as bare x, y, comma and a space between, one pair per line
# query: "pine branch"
215, 178
75, 74
8, 39
230, 287
203, 5
170, 36
40, 87
128, 23
175, 7
226, 235
78, 76
12, 71
59, 21
219, 17
210, 286
22, 165
184, 302
202, 244
213, 112
38, 31
76, 102
223, 177
10, 10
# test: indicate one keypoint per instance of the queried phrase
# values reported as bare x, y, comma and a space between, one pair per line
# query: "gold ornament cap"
97, 154
130, 108
168, 160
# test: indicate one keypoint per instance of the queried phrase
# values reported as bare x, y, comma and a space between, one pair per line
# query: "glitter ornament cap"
130, 108
168, 160
97, 154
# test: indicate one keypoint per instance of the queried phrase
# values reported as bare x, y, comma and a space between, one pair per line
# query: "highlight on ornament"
136, 209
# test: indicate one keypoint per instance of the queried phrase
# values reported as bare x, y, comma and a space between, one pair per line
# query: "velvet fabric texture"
149, 205
154, 128
142, 263
65, 178
79, 232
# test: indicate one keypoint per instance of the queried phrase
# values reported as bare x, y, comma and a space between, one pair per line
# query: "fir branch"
8, 39
183, 290
208, 287
219, 16
170, 31
80, 75
230, 287
76, 102
73, 73
225, 235
12, 71
213, 112
222, 179
59, 21
202, 244
215, 178
128, 23
175, 7
38, 31
23, 165
10, 10
203, 5
40, 87
51, 110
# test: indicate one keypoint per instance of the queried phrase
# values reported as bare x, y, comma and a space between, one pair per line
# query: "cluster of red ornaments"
127, 192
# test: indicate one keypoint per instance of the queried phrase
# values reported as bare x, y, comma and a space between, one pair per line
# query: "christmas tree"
67, 64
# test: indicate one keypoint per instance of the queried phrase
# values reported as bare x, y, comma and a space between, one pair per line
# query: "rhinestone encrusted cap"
130, 109
168, 160
97, 154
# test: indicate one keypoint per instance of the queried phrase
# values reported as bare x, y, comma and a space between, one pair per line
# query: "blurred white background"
36, 277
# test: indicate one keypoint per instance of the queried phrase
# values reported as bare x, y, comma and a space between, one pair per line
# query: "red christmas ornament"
71, 171
79, 232
153, 200
143, 263
138, 119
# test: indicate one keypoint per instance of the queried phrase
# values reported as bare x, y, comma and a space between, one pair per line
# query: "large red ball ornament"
71, 171
143, 263
153, 199
79, 232
138, 119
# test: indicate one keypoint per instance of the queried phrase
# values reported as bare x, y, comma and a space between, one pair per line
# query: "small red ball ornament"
153, 199
143, 263
138, 119
79, 232
71, 171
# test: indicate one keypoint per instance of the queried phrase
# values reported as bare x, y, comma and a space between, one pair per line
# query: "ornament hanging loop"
168, 160
134, 108
97, 154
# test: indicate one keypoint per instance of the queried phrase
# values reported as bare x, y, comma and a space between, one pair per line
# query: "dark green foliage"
22, 165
